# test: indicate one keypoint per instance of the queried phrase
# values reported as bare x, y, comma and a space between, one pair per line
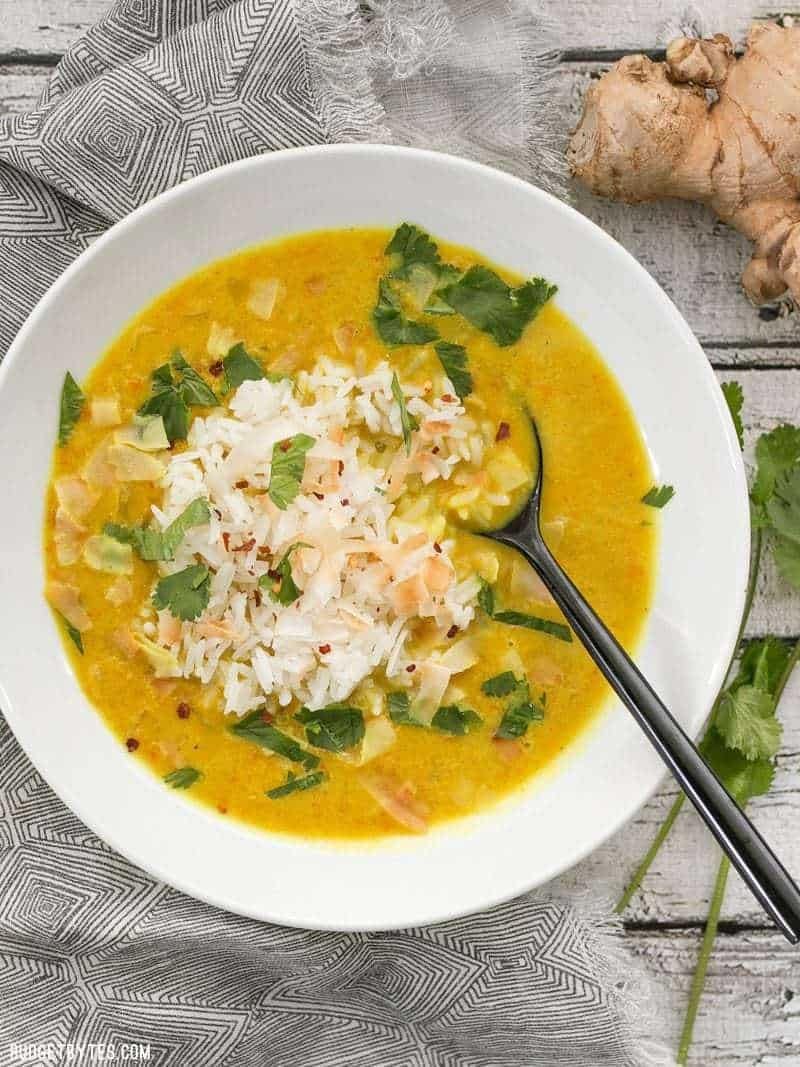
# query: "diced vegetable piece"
146, 433
131, 465
119, 592
263, 297
104, 553
66, 599
160, 659
68, 537
99, 471
75, 495
105, 411
221, 340
398, 801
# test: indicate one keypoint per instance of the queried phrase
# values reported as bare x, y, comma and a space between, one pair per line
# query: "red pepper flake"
183, 711
257, 598
267, 716
243, 484
345, 502
284, 446
222, 809
437, 547
226, 540
245, 546
452, 631
341, 467
274, 575
324, 650
131, 744
448, 398
503, 431
218, 513
436, 450
319, 496
216, 368
411, 668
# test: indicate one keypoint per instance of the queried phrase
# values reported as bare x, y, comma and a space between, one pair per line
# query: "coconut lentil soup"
258, 532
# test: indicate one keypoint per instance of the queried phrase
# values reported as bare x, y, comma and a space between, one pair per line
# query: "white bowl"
690, 634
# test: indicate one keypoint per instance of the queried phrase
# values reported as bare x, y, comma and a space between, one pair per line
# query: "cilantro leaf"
288, 467
486, 598
153, 544
74, 634
253, 728
296, 785
494, 307
393, 325
787, 558
287, 591
451, 719
783, 507
408, 421
70, 408
399, 706
239, 366
746, 721
743, 778
657, 496
183, 777
776, 452
335, 728
518, 716
734, 398
193, 388
186, 593
172, 393
500, 685
533, 622
410, 246
453, 359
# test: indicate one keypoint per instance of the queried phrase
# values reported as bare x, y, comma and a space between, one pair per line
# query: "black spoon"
747, 850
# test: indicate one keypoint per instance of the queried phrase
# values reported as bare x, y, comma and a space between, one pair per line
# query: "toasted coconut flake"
169, 628
68, 536
124, 642
397, 800
99, 471
379, 737
526, 585
163, 662
131, 465
434, 680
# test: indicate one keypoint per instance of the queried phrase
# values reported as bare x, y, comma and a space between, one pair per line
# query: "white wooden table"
751, 1010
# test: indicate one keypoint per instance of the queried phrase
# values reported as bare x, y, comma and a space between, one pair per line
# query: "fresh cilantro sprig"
239, 366
488, 603
453, 359
175, 387
520, 710
293, 784
186, 593
495, 307
288, 467
334, 728
399, 707
161, 545
744, 733
70, 408
255, 729
455, 720
392, 324
410, 247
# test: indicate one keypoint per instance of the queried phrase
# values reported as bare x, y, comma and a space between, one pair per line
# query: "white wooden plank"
50, 26
749, 1014
20, 87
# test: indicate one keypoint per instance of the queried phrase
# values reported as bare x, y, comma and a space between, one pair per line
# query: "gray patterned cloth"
93, 950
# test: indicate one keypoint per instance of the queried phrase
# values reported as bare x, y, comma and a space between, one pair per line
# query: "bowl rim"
727, 641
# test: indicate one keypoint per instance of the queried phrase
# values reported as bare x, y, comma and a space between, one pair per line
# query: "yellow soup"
259, 532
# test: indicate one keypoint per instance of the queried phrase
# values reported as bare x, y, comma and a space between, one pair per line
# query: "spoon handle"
747, 850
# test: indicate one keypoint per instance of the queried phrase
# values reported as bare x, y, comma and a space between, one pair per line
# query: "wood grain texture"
750, 1013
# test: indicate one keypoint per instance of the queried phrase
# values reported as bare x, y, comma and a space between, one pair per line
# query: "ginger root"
649, 130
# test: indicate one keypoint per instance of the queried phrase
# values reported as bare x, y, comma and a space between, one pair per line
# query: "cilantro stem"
650, 855
664, 829
699, 979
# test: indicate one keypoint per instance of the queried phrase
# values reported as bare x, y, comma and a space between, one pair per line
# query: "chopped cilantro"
734, 398
293, 784
72, 401
175, 386
335, 728
453, 359
500, 685
253, 728
743, 778
776, 452
399, 706
485, 300
408, 422
658, 495
161, 544
287, 591
183, 777
393, 325
74, 634
518, 716
239, 366
486, 598
533, 622
186, 593
409, 247
451, 719
288, 466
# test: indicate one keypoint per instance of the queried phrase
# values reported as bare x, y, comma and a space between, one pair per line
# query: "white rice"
347, 623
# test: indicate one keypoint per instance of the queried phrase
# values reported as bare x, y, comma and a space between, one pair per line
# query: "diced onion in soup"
263, 297
104, 553
105, 411
379, 736
146, 433
131, 465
